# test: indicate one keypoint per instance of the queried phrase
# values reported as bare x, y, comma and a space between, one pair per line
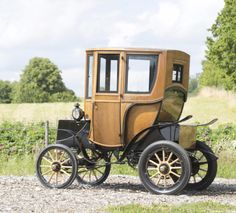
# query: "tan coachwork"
117, 116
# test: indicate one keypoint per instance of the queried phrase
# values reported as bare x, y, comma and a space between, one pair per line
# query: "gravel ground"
26, 194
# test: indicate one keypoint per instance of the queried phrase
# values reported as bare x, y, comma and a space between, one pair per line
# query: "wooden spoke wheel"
56, 166
204, 167
164, 168
94, 172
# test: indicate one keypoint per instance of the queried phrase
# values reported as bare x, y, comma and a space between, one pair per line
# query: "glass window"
177, 74
89, 76
172, 105
141, 73
108, 73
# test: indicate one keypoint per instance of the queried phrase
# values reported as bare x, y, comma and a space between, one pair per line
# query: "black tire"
54, 163
93, 173
165, 159
204, 167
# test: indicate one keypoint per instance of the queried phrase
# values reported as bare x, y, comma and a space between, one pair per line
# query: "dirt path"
25, 194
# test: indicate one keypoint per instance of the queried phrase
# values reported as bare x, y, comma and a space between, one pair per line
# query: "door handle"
95, 106
121, 96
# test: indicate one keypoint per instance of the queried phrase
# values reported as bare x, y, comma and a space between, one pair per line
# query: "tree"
193, 85
5, 91
40, 81
219, 68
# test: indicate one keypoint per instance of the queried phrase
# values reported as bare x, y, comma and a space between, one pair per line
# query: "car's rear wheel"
96, 170
204, 167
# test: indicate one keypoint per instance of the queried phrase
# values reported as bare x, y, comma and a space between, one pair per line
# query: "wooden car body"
128, 90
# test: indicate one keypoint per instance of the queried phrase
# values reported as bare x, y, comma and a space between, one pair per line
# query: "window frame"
151, 86
98, 72
87, 75
178, 72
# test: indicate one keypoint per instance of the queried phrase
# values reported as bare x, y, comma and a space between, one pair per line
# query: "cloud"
62, 30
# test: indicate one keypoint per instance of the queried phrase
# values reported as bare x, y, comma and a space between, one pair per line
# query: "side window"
89, 76
108, 73
140, 73
177, 75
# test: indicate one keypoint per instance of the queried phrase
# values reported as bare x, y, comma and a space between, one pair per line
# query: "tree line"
39, 82
219, 66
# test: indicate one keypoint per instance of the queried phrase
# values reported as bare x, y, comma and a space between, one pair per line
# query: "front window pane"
89, 76
108, 73
141, 72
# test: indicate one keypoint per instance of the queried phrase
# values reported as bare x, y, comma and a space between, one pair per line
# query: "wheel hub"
164, 169
56, 167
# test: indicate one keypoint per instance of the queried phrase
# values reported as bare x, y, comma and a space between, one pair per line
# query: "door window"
108, 73
89, 76
141, 73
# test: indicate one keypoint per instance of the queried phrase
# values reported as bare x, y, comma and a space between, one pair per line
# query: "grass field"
209, 104
30, 113
212, 103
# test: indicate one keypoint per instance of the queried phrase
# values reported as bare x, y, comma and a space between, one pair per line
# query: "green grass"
123, 169
19, 166
25, 165
226, 164
199, 207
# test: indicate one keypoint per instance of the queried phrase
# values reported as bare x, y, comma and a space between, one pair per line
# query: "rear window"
177, 74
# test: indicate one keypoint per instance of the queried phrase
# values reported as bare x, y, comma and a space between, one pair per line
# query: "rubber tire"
73, 162
99, 181
182, 154
212, 168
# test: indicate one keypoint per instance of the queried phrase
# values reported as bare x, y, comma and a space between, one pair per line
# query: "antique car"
132, 114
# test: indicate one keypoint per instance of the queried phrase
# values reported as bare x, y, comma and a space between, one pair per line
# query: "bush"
22, 139
222, 138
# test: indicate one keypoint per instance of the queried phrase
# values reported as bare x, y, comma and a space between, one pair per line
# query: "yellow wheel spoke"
66, 167
163, 154
47, 172
47, 160
51, 177
154, 175
62, 170
45, 166
50, 154
177, 175
158, 181
176, 167
152, 168
157, 157
164, 181
56, 154
65, 161
62, 155
174, 161
153, 162
169, 156
57, 178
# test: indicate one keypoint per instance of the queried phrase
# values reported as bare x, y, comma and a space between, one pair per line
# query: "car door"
106, 105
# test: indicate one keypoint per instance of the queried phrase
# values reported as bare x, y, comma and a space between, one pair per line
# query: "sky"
62, 30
